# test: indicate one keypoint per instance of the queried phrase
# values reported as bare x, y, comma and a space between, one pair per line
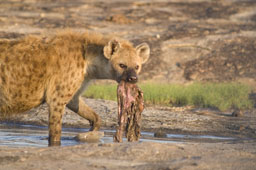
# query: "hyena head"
126, 60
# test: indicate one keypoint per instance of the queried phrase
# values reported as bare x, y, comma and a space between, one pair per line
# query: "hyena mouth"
129, 76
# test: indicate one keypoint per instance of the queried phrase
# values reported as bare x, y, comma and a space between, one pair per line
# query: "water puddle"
36, 136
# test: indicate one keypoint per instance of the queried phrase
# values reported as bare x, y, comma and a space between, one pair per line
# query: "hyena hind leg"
77, 105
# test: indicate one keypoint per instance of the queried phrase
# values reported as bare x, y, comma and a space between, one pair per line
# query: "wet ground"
25, 147
136, 155
18, 135
172, 138
172, 120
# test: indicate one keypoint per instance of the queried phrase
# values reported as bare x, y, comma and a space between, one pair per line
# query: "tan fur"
57, 69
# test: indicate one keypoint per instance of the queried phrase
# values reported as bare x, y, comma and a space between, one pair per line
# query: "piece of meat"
130, 107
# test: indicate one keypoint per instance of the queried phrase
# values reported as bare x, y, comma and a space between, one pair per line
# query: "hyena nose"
133, 79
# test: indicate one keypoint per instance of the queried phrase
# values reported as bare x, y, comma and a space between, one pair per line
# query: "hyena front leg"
77, 105
56, 98
55, 123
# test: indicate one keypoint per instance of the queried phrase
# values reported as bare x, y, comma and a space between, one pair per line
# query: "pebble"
237, 113
160, 134
90, 137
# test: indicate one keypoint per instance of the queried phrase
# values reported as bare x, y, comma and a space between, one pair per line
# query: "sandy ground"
190, 40
132, 156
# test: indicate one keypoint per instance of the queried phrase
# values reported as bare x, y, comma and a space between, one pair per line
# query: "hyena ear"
143, 51
112, 47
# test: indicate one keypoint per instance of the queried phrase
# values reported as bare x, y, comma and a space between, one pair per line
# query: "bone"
130, 107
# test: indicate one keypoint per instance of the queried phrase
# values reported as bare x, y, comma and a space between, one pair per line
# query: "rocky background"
190, 39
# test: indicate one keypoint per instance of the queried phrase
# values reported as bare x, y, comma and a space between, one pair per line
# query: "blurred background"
191, 41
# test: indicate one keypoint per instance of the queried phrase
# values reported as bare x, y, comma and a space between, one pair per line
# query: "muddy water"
36, 136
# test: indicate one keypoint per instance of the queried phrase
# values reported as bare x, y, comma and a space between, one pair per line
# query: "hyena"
57, 69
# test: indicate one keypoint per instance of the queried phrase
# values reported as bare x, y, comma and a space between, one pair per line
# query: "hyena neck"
99, 68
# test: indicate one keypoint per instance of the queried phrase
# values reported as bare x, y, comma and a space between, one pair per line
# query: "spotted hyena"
57, 69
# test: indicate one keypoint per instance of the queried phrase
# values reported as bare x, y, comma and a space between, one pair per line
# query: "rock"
160, 134
90, 137
237, 113
119, 18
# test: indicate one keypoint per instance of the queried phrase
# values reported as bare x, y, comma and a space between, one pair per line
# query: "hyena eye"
137, 67
123, 66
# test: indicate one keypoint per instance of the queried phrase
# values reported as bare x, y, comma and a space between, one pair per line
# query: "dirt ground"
132, 156
190, 40
189, 153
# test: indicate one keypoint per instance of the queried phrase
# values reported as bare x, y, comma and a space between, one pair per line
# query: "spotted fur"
57, 69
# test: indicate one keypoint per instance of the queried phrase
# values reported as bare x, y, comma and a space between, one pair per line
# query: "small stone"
119, 18
90, 137
22, 159
237, 113
42, 15
160, 134
241, 128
